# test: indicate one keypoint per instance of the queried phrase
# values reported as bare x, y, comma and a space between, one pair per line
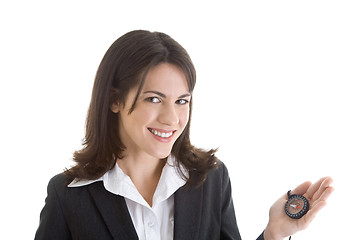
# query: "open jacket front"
91, 212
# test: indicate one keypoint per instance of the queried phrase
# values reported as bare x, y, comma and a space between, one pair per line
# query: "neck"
141, 165
145, 172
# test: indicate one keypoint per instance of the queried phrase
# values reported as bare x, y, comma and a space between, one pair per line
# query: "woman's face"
160, 114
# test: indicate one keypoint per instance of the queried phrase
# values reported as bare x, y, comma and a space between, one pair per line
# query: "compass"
297, 206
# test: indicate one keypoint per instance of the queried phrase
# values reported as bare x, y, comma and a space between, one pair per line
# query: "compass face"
297, 206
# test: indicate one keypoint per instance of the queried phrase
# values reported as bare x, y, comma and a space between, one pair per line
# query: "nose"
169, 116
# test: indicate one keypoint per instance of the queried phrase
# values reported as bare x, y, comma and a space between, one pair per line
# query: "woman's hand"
281, 226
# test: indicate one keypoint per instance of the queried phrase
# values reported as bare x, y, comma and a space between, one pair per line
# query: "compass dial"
297, 206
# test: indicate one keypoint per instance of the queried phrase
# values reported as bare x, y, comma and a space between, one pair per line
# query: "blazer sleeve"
229, 229
52, 221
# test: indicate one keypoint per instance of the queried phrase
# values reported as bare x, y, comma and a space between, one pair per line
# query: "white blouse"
151, 223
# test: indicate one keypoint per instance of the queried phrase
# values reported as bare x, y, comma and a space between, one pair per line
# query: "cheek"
184, 117
147, 115
143, 114
137, 120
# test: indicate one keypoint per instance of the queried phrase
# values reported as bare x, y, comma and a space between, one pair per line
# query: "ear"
115, 107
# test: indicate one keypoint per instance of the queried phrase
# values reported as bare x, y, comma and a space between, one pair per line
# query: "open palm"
281, 226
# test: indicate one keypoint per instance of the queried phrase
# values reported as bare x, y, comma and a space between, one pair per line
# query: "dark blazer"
91, 212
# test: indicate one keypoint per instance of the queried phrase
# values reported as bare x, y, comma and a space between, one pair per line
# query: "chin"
162, 154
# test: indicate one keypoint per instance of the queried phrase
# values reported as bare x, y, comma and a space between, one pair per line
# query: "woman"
138, 176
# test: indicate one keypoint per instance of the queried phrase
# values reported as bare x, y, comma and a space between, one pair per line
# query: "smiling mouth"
161, 134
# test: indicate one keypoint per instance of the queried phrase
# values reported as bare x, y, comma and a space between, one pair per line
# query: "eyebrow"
164, 96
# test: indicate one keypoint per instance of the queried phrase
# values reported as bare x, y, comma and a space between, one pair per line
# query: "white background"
277, 92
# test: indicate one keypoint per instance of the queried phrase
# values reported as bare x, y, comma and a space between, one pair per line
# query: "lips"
161, 133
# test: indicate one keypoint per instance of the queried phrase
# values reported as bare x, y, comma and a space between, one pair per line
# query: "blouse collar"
117, 182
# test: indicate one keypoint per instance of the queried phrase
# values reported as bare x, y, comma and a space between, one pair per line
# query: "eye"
182, 101
153, 99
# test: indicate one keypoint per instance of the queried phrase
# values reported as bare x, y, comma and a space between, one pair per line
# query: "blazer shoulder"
218, 178
59, 184
53, 223
220, 171
60, 180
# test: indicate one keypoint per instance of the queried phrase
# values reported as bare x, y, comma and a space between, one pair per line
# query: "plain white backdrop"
277, 92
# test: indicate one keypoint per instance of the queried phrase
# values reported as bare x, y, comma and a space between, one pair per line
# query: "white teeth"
161, 134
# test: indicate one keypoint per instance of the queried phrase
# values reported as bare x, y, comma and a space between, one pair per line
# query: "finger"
313, 188
301, 189
325, 195
318, 205
324, 185
314, 210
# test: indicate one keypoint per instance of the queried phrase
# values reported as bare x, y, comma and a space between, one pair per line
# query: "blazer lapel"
114, 212
187, 213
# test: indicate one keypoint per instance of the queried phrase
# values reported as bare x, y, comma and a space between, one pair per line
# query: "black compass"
297, 206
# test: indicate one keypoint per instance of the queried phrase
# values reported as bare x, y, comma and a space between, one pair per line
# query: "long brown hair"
123, 67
